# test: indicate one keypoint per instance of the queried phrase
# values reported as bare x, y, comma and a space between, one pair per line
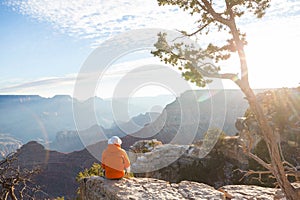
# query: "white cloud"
100, 19
281, 8
106, 83
46, 86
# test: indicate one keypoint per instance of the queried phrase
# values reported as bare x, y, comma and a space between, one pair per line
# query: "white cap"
115, 140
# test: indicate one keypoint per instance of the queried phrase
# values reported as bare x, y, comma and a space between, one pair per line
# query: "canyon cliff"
98, 188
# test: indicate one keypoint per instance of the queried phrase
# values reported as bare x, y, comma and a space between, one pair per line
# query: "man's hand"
127, 170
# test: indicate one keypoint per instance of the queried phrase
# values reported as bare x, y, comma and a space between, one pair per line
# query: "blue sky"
32, 49
43, 44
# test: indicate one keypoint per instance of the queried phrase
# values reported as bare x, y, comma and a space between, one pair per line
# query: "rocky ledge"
148, 188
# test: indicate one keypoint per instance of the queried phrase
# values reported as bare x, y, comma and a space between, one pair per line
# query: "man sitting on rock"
114, 159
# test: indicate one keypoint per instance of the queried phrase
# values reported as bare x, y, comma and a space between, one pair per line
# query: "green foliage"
95, 170
282, 108
211, 137
185, 59
190, 59
145, 150
60, 198
221, 16
239, 7
129, 175
214, 133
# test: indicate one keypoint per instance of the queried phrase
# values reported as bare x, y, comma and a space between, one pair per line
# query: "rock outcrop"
281, 108
237, 192
175, 163
58, 170
98, 188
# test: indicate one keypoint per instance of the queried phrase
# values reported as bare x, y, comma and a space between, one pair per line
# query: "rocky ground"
97, 188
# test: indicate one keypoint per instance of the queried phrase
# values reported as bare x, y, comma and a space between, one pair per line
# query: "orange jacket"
114, 161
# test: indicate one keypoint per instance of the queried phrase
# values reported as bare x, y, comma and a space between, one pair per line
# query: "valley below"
178, 144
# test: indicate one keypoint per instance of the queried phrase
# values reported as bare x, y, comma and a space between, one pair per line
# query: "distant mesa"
51, 120
31, 117
217, 169
68, 141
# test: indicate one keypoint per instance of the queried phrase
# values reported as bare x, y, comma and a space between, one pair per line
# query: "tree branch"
197, 31
228, 76
229, 9
16, 181
247, 151
215, 15
252, 172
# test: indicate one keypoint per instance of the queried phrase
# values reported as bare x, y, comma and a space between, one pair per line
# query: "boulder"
98, 188
175, 163
236, 192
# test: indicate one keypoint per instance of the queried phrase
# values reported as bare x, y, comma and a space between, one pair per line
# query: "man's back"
114, 161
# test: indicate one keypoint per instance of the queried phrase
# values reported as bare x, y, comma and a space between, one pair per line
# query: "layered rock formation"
192, 114
98, 188
221, 165
175, 163
31, 117
183, 121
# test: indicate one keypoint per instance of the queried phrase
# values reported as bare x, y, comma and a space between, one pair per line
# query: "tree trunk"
267, 132
276, 161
